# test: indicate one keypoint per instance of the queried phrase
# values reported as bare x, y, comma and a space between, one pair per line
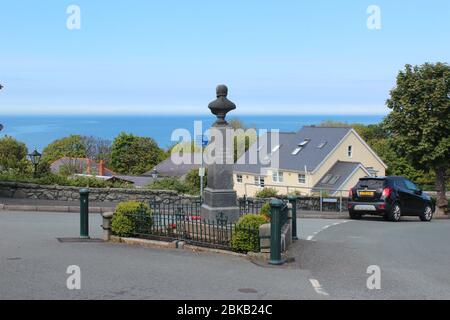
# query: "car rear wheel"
427, 214
355, 216
395, 213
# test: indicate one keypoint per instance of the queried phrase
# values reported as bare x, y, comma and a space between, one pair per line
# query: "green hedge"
246, 233
59, 180
130, 218
267, 193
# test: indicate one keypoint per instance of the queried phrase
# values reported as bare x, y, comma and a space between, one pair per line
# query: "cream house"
314, 159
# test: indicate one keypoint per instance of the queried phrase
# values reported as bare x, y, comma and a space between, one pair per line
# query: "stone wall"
60, 193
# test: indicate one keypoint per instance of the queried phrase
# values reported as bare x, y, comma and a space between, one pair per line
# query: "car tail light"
350, 193
386, 193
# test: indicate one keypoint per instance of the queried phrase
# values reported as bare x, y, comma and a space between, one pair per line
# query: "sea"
38, 131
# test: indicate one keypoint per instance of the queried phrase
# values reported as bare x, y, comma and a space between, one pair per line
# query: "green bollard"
84, 213
293, 201
275, 232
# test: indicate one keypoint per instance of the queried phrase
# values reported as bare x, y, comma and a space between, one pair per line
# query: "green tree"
193, 180
13, 155
131, 154
420, 120
72, 146
243, 137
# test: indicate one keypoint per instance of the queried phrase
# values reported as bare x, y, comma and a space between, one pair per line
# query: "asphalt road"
413, 258
33, 266
332, 259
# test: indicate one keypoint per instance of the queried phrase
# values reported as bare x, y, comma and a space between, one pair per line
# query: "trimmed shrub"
295, 193
59, 180
267, 193
246, 233
131, 217
265, 211
171, 184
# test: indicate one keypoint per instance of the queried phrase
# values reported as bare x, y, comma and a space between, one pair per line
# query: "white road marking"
311, 237
317, 286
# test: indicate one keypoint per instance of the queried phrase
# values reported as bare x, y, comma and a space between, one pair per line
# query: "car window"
399, 183
410, 185
370, 183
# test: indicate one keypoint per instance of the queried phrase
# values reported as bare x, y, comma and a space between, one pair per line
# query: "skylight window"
333, 180
297, 150
322, 144
327, 178
304, 142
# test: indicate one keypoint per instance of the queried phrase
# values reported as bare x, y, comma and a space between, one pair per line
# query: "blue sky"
166, 57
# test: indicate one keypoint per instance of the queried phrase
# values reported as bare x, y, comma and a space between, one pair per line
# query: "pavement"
332, 257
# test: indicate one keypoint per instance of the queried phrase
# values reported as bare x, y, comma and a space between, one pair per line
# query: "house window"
277, 176
259, 181
322, 144
350, 151
301, 178
275, 149
326, 178
239, 178
333, 179
296, 151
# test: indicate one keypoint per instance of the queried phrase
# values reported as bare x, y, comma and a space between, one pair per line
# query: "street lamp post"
35, 158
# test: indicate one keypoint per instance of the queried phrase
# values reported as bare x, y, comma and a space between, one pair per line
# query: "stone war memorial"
219, 198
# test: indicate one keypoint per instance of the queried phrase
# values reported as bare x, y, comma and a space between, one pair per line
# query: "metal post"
340, 201
201, 175
84, 213
275, 232
320, 199
293, 201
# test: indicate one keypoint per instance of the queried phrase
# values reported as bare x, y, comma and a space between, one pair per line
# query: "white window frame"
277, 176
350, 151
259, 181
239, 178
301, 178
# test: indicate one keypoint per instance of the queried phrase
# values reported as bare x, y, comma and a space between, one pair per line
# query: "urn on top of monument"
221, 106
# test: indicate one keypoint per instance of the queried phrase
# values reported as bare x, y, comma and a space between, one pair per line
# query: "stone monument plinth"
219, 198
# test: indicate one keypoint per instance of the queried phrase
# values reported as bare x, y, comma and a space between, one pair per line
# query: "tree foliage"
71, 146
132, 154
97, 148
13, 155
420, 119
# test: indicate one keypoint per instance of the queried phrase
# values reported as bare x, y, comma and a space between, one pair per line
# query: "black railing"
180, 206
251, 205
303, 203
189, 227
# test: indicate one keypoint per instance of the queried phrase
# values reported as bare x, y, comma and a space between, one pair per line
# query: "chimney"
101, 168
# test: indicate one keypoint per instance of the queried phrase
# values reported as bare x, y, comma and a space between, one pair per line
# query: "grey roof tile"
341, 170
310, 155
